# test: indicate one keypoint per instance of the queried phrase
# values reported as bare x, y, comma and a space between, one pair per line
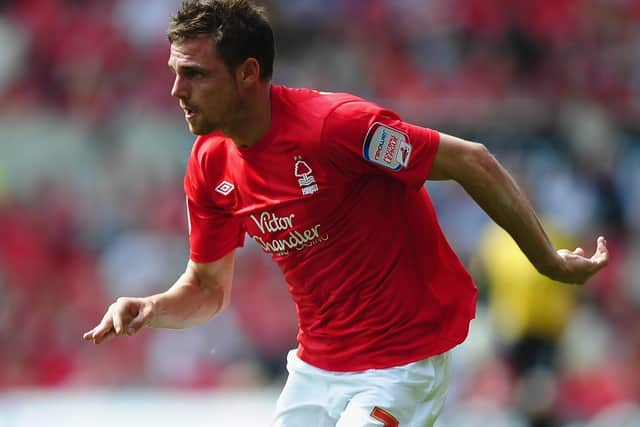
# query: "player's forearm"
497, 193
187, 303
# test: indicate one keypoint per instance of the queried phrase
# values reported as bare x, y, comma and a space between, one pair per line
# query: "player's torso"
284, 189
360, 252
284, 196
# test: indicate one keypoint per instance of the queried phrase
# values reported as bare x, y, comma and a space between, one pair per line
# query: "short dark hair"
238, 28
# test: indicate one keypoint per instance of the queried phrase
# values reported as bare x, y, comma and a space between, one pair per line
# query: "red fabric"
373, 278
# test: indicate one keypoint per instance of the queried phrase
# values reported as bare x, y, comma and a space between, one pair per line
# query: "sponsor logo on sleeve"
387, 146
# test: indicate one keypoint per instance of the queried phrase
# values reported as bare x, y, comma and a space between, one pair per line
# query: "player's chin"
200, 129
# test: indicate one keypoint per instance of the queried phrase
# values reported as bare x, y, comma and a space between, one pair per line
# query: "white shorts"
410, 395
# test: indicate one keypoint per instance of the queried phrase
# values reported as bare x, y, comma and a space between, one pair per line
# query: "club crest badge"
304, 173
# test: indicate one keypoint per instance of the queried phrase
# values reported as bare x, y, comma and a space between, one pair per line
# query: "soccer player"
332, 187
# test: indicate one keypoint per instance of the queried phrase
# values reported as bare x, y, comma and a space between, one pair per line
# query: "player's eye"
193, 74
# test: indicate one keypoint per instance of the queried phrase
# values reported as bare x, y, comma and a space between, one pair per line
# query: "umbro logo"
224, 188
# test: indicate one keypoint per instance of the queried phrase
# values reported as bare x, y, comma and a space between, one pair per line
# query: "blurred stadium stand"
93, 148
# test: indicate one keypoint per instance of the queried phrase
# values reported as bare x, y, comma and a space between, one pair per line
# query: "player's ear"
248, 73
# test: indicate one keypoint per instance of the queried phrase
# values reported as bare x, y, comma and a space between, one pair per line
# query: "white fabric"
414, 394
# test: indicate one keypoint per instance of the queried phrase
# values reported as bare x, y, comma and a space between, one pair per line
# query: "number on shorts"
384, 417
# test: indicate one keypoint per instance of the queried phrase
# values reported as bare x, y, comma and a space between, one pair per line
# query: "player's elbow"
213, 291
480, 157
477, 165
225, 299
217, 297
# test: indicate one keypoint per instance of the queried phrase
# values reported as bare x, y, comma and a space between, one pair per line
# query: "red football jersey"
334, 192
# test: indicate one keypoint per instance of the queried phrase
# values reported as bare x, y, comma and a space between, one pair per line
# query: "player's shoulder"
315, 103
209, 145
210, 152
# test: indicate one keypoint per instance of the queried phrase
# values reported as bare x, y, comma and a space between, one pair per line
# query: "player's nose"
179, 89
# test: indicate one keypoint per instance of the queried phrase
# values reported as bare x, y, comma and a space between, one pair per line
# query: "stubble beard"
226, 123
202, 128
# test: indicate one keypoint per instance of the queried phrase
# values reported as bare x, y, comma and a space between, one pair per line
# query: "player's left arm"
496, 192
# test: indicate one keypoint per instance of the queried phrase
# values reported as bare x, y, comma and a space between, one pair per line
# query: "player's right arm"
202, 291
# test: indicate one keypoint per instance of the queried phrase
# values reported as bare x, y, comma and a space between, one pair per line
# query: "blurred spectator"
529, 313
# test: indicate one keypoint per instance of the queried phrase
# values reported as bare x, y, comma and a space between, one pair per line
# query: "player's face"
204, 86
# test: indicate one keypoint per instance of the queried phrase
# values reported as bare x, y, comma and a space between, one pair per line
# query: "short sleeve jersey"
334, 192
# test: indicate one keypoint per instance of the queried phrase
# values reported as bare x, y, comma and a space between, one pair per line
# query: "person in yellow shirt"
529, 312
523, 302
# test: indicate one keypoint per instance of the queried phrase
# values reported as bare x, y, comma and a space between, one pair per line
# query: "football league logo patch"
404, 153
387, 146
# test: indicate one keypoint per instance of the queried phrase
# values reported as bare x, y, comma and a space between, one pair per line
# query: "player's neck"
255, 118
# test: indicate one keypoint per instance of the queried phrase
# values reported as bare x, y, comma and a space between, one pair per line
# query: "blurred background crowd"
93, 150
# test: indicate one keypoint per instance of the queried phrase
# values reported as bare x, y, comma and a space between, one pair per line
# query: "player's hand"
577, 268
126, 316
